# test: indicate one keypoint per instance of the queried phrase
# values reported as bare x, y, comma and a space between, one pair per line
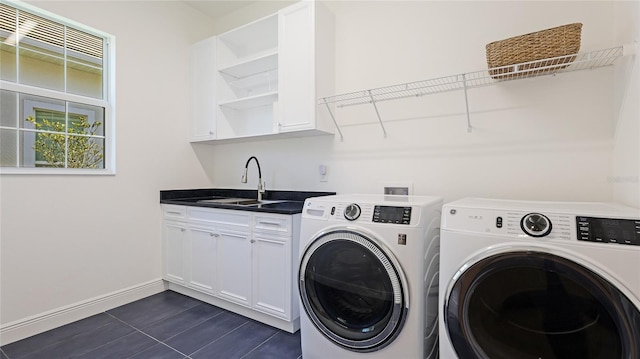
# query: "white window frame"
107, 102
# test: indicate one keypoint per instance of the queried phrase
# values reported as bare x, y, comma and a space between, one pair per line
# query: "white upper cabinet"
264, 77
247, 79
306, 57
203, 94
249, 49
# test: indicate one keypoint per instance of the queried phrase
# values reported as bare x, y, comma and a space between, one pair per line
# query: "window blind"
47, 31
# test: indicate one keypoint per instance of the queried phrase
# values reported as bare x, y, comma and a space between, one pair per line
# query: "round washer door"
534, 305
352, 290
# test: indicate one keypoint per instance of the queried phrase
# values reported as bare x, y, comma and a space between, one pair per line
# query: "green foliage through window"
56, 141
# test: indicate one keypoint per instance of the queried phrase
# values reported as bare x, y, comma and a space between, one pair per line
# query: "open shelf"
267, 80
252, 37
464, 81
251, 102
263, 62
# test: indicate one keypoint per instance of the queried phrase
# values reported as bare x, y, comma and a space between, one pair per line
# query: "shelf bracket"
466, 102
333, 119
373, 102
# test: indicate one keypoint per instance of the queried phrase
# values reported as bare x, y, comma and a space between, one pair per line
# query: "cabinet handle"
214, 234
270, 223
253, 241
173, 212
182, 230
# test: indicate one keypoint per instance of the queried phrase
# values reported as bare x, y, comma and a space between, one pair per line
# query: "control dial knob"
535, 225
352, 212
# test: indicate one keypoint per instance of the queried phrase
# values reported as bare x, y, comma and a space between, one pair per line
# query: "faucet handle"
244, 176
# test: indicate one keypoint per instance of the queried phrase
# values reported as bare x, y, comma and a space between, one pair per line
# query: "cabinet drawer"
173, 211
280, 225
238, 220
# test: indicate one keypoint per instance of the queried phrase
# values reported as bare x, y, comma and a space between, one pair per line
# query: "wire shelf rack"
465, 81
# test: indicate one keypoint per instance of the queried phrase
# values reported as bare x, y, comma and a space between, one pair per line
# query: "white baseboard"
42, 322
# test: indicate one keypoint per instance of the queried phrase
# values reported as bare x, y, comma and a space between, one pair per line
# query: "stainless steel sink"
278, 204
236, 201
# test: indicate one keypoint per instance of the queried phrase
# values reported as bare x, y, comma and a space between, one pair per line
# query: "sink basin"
236, 201
283, 205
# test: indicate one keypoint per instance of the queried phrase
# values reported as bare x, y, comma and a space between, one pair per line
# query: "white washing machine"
539, 280
368, 276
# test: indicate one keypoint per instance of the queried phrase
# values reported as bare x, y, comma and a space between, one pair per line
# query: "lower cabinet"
241, 258
271, 270
234, 267
173, 247
201, 250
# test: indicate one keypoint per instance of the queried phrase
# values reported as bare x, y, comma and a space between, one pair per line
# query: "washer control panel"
368, 212
391, 214
608, 230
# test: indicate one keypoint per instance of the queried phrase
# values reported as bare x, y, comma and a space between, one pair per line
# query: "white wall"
67, 239
626, 155
545, 139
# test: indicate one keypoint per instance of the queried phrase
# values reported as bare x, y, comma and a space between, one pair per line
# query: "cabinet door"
272, 275
296, 64
174, 236
203, 106
202, 247
234, 267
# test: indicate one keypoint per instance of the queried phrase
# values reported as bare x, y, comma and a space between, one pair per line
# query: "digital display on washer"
608, 230
391, 214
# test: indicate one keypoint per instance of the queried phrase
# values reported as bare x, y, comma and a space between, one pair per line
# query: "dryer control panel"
608, 230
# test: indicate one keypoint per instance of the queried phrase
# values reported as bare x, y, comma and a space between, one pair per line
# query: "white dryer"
539, 280
368, 276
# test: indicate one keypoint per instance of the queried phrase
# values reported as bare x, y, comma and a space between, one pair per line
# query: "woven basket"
545, 44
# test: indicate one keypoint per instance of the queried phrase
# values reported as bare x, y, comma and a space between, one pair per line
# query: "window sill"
57, 171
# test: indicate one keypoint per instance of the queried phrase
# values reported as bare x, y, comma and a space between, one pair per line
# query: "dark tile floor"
163, 326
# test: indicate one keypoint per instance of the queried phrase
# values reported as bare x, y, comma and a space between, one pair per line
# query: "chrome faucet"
261, 189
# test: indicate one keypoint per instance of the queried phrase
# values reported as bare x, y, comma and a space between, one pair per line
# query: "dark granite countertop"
290, 202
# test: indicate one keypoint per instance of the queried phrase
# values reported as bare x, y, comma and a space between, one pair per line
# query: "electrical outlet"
323, 172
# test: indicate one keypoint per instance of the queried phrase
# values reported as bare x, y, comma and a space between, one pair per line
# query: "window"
56, 94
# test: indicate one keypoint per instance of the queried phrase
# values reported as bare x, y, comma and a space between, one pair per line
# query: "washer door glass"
352, 291
538, 305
